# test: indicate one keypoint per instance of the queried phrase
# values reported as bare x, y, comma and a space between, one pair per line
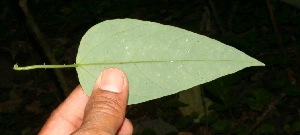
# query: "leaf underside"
158, 59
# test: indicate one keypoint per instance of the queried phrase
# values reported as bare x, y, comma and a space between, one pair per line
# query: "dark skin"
103, 113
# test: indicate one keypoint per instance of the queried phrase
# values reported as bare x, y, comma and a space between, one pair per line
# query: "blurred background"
256, 100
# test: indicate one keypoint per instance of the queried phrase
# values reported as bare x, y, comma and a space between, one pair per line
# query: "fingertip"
113, 80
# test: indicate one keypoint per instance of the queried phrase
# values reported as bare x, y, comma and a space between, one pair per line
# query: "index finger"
68, 116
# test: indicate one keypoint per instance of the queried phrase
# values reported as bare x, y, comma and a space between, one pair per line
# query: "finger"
126, 128
105, 110
68, 116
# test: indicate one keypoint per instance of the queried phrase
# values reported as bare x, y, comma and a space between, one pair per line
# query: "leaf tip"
261, 64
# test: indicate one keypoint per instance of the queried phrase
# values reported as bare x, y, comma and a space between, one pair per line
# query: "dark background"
257, 100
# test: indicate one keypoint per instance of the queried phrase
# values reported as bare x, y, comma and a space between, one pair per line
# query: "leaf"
257, 99
222, 126
158, 59
266, 129
195, 100
295, 3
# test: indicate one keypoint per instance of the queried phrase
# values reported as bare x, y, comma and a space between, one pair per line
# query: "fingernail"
112, 79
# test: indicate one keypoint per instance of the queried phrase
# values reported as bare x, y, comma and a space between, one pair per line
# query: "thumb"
105, 111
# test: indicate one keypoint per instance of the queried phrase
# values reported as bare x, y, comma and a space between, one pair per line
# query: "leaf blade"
158, 60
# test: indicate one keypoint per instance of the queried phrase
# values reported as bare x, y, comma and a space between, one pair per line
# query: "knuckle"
106, 105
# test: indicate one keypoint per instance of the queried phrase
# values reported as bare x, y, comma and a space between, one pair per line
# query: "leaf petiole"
16, 67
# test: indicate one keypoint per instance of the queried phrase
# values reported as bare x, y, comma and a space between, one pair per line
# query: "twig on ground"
267, 111
275, 27
272, 104
216, 15
31, 24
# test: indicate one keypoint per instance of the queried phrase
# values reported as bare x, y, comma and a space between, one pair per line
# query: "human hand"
103, 113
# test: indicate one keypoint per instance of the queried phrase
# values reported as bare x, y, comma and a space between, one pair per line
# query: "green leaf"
295, 127
195, 100
295, 3
222, 126
265, 129
158, 59
257, 99
209, 118
240, 129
